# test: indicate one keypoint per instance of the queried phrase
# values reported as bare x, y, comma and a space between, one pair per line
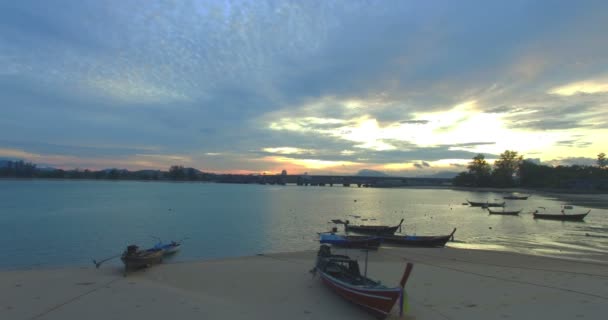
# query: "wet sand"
446, 283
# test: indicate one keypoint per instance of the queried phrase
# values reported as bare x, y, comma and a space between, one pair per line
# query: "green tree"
602, 162
505, 168
479, 170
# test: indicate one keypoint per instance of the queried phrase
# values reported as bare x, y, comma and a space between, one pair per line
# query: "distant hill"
371, 173
443, 175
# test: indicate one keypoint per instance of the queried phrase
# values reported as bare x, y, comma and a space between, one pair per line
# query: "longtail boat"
372, 229
342, 275
486, 204
135, 259
419, 241
561, 217
505, 212
514, 197
347, 241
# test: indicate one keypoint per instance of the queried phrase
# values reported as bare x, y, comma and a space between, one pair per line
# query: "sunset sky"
326, 87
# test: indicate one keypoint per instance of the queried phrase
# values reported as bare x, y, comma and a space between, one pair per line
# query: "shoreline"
449, 187
448, 283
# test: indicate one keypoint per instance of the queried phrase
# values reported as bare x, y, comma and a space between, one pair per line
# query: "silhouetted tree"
480, 171
602, 162
505, 168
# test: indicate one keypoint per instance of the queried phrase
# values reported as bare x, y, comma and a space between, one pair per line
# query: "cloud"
582, 87
225, 86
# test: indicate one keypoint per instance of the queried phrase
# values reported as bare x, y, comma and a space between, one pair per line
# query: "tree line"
511, 170
22, 169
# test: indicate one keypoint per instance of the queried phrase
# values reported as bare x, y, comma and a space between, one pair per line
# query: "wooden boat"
135, 259
372, 229
505, 212
514, 197
167, 248
419, 241
362, 242
342, 275
486, 204
561, 217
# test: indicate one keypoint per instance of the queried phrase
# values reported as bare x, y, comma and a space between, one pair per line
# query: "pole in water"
365, 272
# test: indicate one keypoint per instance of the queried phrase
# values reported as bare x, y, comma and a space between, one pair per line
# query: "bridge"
328, 180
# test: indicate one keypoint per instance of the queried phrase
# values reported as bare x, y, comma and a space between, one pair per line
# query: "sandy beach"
445, 284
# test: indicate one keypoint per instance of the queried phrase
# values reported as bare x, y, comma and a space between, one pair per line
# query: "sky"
408, 88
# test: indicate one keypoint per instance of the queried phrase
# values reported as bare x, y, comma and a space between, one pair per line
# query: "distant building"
284, 172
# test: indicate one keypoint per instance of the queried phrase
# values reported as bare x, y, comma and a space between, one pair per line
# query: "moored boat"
561, 217
135, 259
372, 229
348, 241
486, 204
505, 212
419, 241
515, 197
342, 275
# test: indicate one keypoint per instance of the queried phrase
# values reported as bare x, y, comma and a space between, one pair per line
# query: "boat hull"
486, 204
361, 242
505, 213
374, 230
561, 217
168, 248
142, 260
419, 241
377, 301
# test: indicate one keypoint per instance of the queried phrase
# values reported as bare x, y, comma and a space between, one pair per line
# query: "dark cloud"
197, 77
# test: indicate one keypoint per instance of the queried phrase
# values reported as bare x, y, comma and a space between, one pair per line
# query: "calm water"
56, 223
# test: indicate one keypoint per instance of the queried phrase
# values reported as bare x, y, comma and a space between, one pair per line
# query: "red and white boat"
341, 274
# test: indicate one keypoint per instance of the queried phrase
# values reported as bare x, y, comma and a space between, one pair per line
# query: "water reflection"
69, 222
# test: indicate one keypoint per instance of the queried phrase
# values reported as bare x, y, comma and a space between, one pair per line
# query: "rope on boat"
73, 299
515, 267
504, 279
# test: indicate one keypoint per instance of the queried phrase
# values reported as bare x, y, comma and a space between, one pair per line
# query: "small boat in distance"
135, 259
361, 242
372, 229
561, 217
505, 212
419, 241
486, 204
515, 197
342, 275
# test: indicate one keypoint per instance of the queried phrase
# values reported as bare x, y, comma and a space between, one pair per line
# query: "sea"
56, 223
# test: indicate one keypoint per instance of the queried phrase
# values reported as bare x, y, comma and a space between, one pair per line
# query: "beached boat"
372, 229
134, 259
514, 197
362, 242
562, 217
167, 248
505, 212
486, 204
342, 275
418, 241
